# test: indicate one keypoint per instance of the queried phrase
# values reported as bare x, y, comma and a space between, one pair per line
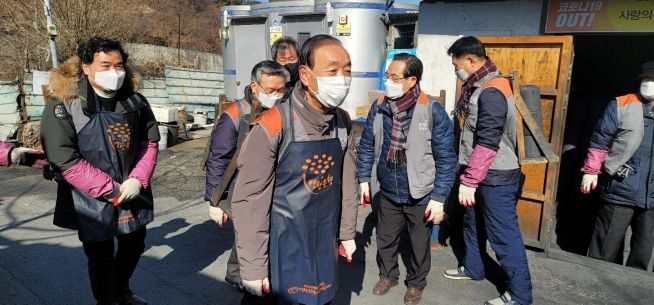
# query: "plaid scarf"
468, 86
400, 109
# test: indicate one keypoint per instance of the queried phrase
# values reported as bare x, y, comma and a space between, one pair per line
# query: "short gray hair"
269, 67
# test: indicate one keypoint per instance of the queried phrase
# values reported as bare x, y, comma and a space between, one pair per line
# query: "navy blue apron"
109, 142
304, 219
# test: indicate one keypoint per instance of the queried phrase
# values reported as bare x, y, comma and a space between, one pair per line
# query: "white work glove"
365, 193
348, 248
435, 212
129, 190
257, 287
588, 183
18, 156
216, 214
466, 195
113, 196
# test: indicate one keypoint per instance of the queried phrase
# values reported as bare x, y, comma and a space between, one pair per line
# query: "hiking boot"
383, 286
412, 296
132, 299
504, 299
456, 274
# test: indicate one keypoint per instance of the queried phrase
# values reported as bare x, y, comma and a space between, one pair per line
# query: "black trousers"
610, 230
392, 220
233, 270
110, 271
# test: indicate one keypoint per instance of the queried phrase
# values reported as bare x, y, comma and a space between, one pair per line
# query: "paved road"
186, 254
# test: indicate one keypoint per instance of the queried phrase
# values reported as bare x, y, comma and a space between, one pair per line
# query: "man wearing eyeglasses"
411, 139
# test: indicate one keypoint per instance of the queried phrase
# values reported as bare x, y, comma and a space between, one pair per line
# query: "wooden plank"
532, 125
532, 195
534, 176
529, 217
439, 98
520, 133
536, 132
549, 91
538, 65
536, 160
547, 105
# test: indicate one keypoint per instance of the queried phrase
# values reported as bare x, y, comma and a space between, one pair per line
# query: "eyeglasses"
271, 91
393, 78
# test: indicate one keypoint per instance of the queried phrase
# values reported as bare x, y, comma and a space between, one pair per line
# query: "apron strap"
93, 108
287, 128
133, 103
290, 119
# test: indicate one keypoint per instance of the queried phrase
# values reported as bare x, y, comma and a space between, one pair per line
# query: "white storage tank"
249, 31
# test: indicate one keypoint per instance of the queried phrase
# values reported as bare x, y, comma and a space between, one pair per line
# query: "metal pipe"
52, 31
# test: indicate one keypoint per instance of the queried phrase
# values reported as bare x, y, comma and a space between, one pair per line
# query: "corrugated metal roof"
402, 18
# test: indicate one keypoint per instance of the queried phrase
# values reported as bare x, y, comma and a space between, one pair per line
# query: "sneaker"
504, 299
456, 274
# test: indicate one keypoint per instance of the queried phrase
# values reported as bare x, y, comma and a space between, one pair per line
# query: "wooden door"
544, 61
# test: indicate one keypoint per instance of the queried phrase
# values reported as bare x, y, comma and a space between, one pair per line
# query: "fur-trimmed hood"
64, 83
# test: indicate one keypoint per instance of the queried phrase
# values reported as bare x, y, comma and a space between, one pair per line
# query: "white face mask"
462, 74
110, 80
268, 100
332, 90
393, 89
647, 89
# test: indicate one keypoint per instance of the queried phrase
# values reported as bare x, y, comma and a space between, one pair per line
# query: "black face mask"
293, 69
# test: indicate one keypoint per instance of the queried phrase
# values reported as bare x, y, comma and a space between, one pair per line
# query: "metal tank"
358, 24
241, 42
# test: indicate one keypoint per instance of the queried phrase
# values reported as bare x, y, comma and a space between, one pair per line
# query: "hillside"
24, 39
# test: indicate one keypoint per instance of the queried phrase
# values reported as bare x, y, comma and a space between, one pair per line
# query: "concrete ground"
186, 254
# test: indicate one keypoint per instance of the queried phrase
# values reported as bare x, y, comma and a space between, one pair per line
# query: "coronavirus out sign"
564, 16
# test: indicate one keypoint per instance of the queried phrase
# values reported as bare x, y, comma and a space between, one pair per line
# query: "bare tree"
23, 43
24, 38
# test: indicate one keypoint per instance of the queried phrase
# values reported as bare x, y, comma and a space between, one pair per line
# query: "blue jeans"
434, 233
499, 225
